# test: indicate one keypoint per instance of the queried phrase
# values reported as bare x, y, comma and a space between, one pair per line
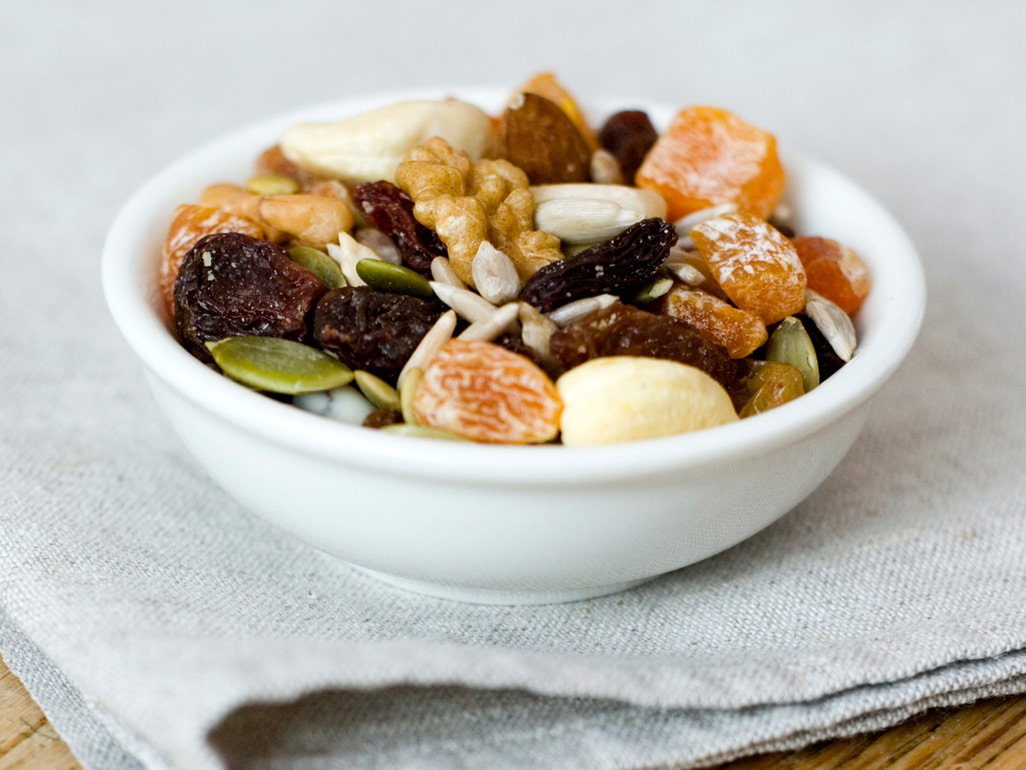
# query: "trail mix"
430, 270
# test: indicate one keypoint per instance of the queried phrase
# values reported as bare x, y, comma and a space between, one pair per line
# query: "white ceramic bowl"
509, 524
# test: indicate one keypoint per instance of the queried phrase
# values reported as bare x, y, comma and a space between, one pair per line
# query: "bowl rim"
131, 298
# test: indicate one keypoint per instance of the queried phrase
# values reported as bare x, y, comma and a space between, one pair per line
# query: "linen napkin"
160, 625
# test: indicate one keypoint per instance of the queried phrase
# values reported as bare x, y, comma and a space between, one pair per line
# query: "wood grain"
990, 734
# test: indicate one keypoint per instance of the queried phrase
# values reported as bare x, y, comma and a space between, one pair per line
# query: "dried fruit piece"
709, 156
618, 266
390, 210
189, 224
370, 146
372, 330
623, 330
739, 331
232, 285
278, 365
791, 344
397, 279
626, 398
486, 393
538, 137
382, 418
755, 265
628, 135
320, 264
545, 84
833, 270
767, 385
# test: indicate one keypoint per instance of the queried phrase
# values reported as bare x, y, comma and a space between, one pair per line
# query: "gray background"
142, 607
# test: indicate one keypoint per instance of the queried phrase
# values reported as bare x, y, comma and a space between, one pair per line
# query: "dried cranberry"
391, 210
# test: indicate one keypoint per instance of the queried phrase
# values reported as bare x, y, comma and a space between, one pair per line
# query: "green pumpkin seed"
791, 344
279, 366
396, 279
377, 391
272, 184
320, 264
409, 387
653, 290
420, 431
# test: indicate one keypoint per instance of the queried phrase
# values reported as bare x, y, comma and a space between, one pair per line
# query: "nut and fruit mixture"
431, 270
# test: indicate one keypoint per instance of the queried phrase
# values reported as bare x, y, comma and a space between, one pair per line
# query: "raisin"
381, 417
619, 266
372, 330
624, 330
765, 385
629, 135
390, 210
232, 285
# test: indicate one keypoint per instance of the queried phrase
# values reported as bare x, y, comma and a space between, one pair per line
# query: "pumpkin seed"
341, 404
406, 391
653, 290
377, 391
791, 344
279, 366
396, 279
272, 184
320, 264
421, 431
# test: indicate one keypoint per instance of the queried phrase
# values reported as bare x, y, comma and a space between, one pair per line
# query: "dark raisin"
619, 266
629, 135
829, 361
624, 330
372, 330
391, 211
379, 418
232, 284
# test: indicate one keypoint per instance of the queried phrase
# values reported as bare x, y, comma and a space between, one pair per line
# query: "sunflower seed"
583, 220
490, 328
466, 303
835, 324
380, 244
684, 224
605, 168
536, 330
442, 272
429, 345
578, 309
347, 253
495, 275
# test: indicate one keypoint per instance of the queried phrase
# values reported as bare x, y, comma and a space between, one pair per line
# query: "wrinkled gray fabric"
161, 626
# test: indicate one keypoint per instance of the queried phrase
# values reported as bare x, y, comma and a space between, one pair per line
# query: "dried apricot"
739, 331
190, 223
755, 265
710, 156
833, 270
486, 393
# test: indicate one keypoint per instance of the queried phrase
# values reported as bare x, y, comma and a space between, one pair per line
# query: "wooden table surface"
990, 734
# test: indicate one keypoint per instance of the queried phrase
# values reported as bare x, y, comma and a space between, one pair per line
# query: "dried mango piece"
833, 270
484, 392
739, 331
189, 224
545, 84
709, 156
754, 264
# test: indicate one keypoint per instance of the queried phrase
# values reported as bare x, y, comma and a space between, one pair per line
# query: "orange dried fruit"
189, 224
486, 393
739, 331
545, 84
833, 270
709, 156
754, 264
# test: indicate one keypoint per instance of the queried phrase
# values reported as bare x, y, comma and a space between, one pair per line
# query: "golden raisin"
739, 331
833, 270
709, 156
755, 265
190, 223
769, 384
486, 393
